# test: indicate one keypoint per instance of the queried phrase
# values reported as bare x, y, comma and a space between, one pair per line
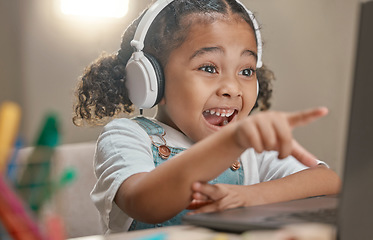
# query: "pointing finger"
301, 118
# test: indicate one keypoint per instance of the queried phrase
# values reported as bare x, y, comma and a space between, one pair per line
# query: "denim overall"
154, 130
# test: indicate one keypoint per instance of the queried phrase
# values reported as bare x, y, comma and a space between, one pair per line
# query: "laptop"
352, 210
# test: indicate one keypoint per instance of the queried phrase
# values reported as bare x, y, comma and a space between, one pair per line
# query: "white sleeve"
270, 167
123, 149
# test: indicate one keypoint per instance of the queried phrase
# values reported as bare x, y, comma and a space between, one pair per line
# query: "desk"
188, 232
183, 232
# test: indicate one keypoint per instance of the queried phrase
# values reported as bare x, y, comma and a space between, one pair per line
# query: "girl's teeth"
222, 113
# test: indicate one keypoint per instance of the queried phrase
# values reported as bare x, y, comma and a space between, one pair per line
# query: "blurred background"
309, 44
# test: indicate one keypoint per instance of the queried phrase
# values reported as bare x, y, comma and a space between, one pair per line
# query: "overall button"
236, 165
164, 152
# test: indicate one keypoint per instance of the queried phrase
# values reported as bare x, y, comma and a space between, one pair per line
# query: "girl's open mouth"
219, 116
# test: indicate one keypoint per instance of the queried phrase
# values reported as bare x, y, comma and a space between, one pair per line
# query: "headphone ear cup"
144, 80
158, 70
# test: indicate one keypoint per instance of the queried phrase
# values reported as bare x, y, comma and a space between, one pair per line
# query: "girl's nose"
230, 87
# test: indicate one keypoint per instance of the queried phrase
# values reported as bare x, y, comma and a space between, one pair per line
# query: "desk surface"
184, 232
188, 232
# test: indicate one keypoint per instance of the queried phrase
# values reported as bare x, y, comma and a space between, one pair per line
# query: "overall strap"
162, 149
150, 127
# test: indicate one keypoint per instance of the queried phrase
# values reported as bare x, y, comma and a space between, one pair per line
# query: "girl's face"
210, 78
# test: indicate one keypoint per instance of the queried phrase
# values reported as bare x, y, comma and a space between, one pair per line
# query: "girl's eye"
247, 72
209, 69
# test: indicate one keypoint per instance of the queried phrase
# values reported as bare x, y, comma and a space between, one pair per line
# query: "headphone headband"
146, 21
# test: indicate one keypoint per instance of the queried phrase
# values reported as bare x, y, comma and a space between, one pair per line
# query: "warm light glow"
95, 8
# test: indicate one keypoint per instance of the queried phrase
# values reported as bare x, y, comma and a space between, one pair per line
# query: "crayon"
10, 115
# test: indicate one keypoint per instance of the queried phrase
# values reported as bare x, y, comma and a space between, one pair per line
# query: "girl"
202, 151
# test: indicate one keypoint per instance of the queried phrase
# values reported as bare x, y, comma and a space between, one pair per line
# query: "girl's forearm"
314, 181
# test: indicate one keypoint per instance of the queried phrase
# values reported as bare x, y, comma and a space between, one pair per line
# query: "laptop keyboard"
328, 216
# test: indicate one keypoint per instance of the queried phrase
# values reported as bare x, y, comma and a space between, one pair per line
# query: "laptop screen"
356, 206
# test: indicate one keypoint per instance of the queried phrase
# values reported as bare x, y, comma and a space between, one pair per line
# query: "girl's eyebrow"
249, 53
204, 50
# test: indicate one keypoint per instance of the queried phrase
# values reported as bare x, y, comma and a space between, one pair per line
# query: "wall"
309, 45
10, 29
56, 49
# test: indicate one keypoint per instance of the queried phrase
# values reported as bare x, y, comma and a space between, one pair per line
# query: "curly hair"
101, 92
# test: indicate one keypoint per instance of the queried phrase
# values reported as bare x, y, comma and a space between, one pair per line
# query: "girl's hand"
273, 131
216, 197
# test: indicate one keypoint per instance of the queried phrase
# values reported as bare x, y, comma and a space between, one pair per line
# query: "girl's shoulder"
123, 127
122, 123
169, 135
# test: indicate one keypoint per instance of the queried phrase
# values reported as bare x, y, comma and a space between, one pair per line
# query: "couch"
73, 202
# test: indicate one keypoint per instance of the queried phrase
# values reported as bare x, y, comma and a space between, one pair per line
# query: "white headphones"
144, 75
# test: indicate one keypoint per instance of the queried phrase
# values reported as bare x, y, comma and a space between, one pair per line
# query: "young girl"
202, 151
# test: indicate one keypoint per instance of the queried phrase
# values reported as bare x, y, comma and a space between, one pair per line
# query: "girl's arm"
315, 181
162, 193
159, 195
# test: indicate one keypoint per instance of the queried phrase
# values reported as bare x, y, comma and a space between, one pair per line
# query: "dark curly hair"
101, 91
